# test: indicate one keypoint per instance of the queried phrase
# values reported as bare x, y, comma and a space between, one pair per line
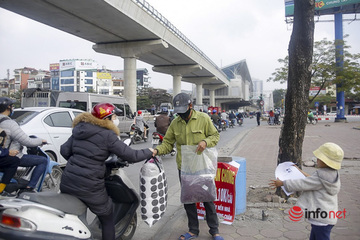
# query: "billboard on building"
319, 5
78, 64
54, 66
102, 75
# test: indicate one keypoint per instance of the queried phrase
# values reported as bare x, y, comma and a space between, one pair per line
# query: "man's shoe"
5, 194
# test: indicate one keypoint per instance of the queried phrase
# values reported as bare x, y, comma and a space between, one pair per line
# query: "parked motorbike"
157, 139
136, 135
49, 181
49, 215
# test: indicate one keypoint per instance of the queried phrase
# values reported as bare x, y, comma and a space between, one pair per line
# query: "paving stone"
296, 235
271, 233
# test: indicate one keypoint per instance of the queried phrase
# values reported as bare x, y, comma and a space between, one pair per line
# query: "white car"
53, 124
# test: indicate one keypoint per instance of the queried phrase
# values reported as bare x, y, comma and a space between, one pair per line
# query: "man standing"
191, 128
258, 115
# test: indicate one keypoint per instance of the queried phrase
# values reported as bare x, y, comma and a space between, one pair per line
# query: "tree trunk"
299, 79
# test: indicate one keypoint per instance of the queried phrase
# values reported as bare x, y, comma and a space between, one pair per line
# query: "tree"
324, 68
278, 96
152, 96
299, 79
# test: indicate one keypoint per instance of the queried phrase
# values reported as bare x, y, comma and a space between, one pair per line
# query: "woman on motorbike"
140, 123
94, 137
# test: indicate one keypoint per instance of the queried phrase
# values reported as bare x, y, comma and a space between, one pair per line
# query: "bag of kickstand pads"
198, 171
153, 191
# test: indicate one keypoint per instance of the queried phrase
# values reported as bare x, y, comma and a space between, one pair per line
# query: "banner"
225, 189
319, 5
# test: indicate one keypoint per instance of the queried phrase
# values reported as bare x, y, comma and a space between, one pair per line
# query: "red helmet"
103, 110
139, 112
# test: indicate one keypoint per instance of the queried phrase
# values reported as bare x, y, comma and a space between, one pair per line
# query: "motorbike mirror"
127, 141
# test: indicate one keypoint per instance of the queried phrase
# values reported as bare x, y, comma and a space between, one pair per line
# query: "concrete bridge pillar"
199, 94
130, 82
212, 98
177, 72
176, 84
130, 51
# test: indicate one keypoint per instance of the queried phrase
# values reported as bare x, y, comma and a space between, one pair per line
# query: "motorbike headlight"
18, 223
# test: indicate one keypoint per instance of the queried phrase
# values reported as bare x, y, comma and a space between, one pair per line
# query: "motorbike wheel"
129, 231
314, 121
52, 182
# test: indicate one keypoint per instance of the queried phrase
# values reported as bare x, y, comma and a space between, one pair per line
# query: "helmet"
104, 110
139, 112
223, 110
164, 110
214, 111
5, 102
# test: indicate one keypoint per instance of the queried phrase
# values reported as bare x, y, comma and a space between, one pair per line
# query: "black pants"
211, 216
8, 166
107, 227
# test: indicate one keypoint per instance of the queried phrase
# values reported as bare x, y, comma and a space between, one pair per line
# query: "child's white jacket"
318, 191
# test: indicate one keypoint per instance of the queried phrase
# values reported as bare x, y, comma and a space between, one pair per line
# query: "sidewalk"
260, 147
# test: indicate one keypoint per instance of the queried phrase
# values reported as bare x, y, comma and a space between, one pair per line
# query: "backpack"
3, 151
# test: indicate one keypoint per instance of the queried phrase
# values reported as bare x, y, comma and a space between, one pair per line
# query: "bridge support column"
130, 82
199, 94
130, 51
212, 98
176, 84
177, 72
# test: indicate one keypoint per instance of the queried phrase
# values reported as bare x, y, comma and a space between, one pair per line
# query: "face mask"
116, 122
185, 115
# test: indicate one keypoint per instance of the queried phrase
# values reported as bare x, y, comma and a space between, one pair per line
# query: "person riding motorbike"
232, 118
215, 118
17, 139
140, 123
162, 122
224, 117
94, 138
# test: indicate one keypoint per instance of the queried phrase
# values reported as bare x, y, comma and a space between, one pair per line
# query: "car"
53, 124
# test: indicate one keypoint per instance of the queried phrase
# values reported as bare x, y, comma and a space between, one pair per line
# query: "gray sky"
226, 31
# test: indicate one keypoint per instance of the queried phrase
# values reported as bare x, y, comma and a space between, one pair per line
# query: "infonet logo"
296, 213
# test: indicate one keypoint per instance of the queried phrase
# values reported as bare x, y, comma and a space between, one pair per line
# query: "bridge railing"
159, 17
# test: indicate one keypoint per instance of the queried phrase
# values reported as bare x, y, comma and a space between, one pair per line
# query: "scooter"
49, 181
232, 123
136, 135
157, 139
49, 215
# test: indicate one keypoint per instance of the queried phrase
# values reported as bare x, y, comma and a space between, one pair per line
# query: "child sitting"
319, 190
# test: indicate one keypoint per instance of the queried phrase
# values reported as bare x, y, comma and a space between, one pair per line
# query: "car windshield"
22, 117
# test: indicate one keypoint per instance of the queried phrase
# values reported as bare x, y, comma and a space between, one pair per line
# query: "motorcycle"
223, 125
49, 181
232, 123
240, 121
136, 135
216, 125
50, 215
157, 139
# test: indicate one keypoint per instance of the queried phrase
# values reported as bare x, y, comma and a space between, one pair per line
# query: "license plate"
155, 141
131, 133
